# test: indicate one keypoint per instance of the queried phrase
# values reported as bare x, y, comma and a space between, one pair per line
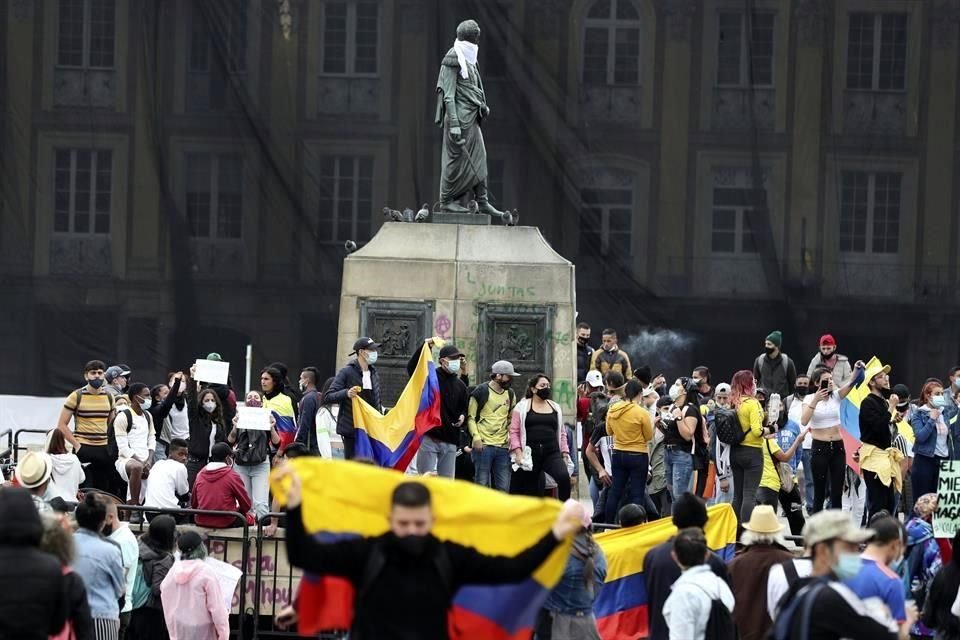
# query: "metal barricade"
17, 448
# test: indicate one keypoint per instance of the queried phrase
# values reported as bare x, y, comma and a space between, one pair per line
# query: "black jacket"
408, 599
661, 572
200, 425
352, 376
161, 410
156, 565
34, 601
454, 399
307, 421
78, 608
584, 353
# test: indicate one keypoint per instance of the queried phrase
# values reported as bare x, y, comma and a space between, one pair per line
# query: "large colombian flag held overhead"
353, 499
392, 439
621, 604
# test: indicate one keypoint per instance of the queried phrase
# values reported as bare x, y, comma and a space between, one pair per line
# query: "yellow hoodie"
630, 426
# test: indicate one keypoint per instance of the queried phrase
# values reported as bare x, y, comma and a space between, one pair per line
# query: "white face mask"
453, 366
209, 406
371, 357
146, 403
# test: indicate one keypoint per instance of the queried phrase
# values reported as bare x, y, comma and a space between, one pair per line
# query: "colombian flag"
850, 413
352, 499
392, 439
621, 604
281, 405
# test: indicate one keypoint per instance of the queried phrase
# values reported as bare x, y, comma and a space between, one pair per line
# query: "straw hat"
763, 520
33, 469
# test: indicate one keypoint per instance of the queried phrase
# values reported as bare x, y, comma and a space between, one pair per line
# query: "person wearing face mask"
877, 578
538, 442
610, 358
584, 351
360, 373
90, 408
309, 405
118, 531
135, 442
828, 358
879, 459
405, 580
723, 492
100, 564
773, 369
488, 420
169, 411
903, 438
821, 607
794, 406
936, 437
207, 427
438, 451
632, 429
253, 457
219, 488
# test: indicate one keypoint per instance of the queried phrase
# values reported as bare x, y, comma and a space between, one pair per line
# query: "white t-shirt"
168, 478
777, 585
826, 414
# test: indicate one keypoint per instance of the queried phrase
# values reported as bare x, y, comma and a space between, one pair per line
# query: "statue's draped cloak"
462, 166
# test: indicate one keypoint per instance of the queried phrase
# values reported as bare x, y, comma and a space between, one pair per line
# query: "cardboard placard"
257, 418
946, 520
212, 371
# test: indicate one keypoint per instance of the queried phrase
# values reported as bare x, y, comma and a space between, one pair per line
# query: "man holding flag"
405, 580
357, 379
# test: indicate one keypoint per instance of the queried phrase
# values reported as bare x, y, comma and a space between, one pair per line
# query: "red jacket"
219, 489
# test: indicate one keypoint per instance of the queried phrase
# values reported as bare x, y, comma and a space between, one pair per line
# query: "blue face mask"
371, 357
848, 566
938, 402
453, 366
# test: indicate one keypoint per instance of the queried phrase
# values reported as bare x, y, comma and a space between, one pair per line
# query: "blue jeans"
493, 461
628, 468
679, 468
437, 456
256, 480
808, 478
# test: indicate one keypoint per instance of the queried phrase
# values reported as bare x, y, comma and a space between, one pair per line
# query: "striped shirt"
91, 411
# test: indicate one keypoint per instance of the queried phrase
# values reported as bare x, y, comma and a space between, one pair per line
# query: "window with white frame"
877, 51
734, 199
606, 222
611, 43
346, 198
351, 34
82, 186
870, 211
214, 195
744, 49
86, 34
217, 55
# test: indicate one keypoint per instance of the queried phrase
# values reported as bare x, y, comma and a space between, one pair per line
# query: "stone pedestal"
495, 292
472, 219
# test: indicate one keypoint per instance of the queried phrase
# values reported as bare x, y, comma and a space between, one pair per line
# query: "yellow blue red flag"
392, 439
352, 499
621, 604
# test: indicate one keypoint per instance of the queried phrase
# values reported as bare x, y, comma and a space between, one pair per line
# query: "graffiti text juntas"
500, 290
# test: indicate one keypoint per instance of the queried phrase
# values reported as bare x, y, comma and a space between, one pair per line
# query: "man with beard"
839, 365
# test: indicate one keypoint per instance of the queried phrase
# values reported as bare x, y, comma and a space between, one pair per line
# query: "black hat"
644, 374
902, 391
189, 541
451, 352
364, 343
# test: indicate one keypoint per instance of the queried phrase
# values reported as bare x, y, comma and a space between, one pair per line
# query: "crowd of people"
768, 441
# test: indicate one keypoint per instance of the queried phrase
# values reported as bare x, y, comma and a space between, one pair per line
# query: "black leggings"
879, 495
546, 458
829, 462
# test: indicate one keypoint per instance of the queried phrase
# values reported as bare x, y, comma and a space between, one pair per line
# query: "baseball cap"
124, 369
833, 525
450, 351
364, 343
902, 391
112, 373
502, 368
723, 387
594, 378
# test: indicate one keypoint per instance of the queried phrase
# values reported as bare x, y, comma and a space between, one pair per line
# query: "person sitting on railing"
219, 488
168, 487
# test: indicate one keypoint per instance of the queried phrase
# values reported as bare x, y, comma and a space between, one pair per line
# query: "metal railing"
17, 447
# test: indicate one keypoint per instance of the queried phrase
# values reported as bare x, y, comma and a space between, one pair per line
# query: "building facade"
180, 176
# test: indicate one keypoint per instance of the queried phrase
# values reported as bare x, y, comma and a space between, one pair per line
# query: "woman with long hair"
252, 461
936, 437
828, 458
207, 427
156, 559
67, 470
746, 458
281, 403
537, 427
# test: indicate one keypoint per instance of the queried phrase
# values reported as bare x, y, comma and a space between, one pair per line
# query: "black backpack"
728, 426
720, 623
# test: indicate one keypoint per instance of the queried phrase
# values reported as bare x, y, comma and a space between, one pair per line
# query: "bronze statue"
461, 108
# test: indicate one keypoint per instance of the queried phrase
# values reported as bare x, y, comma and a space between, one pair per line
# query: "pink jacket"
518, 428
193, 604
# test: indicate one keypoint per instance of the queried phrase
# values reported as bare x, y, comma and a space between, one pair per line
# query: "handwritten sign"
946, 520
212, 371
257, 418
279, 582
228, 576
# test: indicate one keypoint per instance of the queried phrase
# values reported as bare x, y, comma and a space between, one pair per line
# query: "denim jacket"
100, 563
925, 433
571, 596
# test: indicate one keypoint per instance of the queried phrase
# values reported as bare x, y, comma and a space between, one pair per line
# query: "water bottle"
773, 409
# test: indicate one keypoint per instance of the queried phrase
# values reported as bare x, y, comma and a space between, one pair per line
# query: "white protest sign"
946, 520
253, 418
211, 371
228, 577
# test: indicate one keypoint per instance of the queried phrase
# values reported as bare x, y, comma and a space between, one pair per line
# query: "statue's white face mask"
466, 52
